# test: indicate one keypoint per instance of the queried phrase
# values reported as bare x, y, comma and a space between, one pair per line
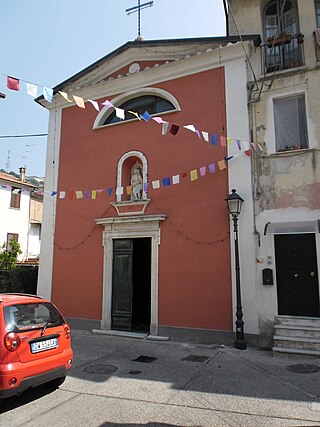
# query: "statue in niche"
136, 181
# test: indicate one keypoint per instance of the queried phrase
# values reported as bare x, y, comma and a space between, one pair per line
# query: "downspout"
226, 15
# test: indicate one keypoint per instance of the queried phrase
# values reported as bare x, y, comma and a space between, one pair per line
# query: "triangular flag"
190, 127
214, 139
203, 170
135, 114
12, 83
119, 113
165, 126
32, 89
79, 101
166, 181
198, 133
222, 164
155, 184
158, 120
119, 191
176, 179
54, 193
212, 168
223, 141
95, 104
174, 129
146, 116
107, 103
248, 153
79, 194
62, 194
48, 94
193, 174
205, 136
65, 96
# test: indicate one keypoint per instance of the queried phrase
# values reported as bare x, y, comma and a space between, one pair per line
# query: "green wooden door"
122, 284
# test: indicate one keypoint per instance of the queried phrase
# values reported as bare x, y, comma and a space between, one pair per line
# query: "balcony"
282, 52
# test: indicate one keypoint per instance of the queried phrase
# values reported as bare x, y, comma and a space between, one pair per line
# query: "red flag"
13, 83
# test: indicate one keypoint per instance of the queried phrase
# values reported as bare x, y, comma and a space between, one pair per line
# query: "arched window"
281, 33
151, 103
153, 100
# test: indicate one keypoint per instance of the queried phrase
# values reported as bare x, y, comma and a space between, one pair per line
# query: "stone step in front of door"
297, 331
296, 343
298, 321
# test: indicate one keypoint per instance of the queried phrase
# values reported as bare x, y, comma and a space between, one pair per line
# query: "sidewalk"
118, 381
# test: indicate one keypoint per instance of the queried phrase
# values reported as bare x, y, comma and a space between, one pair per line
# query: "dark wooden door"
297, 275
122, 284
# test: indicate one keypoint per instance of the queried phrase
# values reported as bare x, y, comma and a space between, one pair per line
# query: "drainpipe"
226, 15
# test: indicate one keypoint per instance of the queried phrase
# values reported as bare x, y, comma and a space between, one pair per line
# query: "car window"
23, 317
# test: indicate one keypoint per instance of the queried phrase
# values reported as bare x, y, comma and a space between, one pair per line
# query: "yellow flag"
129, 189
94, 194
79, 101
193, 174
222, 165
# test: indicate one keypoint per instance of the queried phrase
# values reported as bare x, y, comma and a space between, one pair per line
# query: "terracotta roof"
14, 181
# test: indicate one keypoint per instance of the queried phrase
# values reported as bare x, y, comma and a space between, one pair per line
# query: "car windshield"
23, 317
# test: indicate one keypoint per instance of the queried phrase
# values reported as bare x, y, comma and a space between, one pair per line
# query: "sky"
45, 42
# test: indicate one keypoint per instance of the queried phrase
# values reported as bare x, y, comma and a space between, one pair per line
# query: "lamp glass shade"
234, 202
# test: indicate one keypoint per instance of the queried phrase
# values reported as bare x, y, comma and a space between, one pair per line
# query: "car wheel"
57, 382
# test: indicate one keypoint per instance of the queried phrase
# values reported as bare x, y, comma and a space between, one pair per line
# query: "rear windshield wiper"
45, 327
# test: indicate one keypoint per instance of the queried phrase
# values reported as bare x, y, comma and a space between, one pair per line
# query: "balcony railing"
282, 52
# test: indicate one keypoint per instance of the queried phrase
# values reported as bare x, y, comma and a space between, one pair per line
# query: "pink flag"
158, 120
223, 141
107, 103
203, 171
12, 83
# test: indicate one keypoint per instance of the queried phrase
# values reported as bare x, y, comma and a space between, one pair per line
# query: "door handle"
312, 274
296, 275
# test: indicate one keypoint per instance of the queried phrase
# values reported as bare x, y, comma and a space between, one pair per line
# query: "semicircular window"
150, 103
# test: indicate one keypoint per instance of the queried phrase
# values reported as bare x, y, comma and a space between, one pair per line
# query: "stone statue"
136, 181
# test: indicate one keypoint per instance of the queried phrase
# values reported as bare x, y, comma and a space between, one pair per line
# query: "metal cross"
138, 9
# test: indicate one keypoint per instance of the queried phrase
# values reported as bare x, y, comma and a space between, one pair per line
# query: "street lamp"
234, 202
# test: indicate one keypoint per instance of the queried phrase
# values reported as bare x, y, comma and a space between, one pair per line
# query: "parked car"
35, 344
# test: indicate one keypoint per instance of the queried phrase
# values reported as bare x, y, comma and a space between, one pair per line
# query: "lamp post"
234, 202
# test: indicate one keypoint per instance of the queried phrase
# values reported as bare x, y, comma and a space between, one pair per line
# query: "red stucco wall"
194, 278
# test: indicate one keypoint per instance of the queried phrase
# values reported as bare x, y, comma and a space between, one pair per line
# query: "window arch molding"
132, 94
144, 162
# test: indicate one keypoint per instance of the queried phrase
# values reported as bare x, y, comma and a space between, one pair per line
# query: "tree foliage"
9, 255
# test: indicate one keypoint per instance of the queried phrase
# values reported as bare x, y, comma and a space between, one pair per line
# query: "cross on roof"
138, 9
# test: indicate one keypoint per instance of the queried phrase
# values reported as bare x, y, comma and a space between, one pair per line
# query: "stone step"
297, 331
297, 343
296, 351
298, 320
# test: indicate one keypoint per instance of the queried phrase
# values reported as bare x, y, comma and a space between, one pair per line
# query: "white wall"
15, 220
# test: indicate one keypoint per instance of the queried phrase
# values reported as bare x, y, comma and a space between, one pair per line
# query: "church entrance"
131, 285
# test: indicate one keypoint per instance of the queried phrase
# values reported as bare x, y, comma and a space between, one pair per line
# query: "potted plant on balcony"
279, 39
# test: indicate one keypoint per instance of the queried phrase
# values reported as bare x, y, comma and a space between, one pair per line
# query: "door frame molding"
130, 228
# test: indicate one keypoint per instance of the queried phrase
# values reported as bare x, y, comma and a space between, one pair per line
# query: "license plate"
44, 345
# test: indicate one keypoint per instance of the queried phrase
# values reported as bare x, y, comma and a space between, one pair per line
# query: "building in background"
284, 117
21, 215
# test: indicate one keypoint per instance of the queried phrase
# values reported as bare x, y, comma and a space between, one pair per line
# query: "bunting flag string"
13, 83
167, 181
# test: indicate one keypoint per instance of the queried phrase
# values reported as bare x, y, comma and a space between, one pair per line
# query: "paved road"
120, 381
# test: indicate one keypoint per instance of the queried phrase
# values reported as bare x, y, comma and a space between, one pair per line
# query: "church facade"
144, 147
